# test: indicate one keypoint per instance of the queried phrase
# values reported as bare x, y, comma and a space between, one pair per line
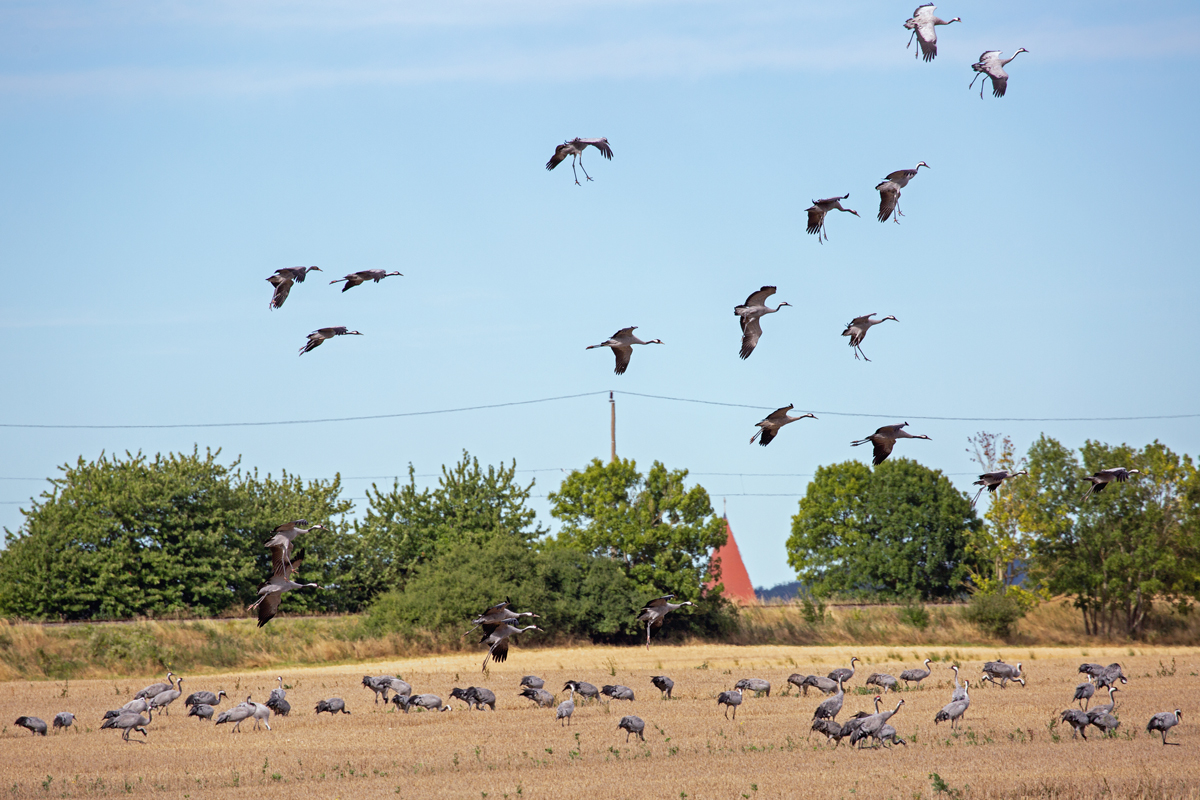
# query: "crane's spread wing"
816, 216
927, 37
889, 195
268, 607
658, 602
560, 153
883, 449
283, 286
751, 331
499, 651
780, 413
623, 352
760, 297
329, 333
768, 436
625, 332
999, 83
301, 272
600, 144
496, 609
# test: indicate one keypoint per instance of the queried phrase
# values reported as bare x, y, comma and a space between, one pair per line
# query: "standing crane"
999, 671
1106, 476
829, 709
857, 329
656, 611
889, 192
364, 275
1078, 721
884, 439
566, 708
632, 725
844, 673
731, 699
130, 721
622, 343
818, 210
63, 719
1164, 722
916, 674
992, 480
318, 336
768, 428
991, 66
750, 316
923, 25
960, 692
870, 725
1083, 694
164, 699
663, 684
156, 688
954, 710
574, 149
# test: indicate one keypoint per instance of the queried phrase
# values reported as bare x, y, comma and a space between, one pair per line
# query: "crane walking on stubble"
889, 192
857, 329
656, 611
884, 439
818, 210
362, 276
769, 428
574, 149
992, 480
923, 25
622, 343
1106, 476
991, 67
750, 314
916, 674
318, 336
1164, 722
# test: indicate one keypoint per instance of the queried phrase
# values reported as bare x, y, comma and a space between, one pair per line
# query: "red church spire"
738, 587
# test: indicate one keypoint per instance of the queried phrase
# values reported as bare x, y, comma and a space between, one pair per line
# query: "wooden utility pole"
612, 404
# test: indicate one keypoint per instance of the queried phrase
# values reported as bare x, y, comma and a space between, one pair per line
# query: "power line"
510, 404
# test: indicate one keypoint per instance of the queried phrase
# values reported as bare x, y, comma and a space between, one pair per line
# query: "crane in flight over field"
857, 329
574, 149
818, 210
1106, 476
923, 26
889, 192
750, 314
992, 480
656, 611
884, 439
364, 275
769, 428
991, 67
622, 343
270, 594
321, 334
283, 279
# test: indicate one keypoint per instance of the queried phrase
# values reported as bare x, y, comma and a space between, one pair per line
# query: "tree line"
182, 533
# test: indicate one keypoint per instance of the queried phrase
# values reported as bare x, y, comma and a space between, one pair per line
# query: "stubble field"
1006, 748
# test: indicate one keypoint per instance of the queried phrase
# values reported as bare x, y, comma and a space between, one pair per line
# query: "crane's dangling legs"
977, 497
573, 172
647, 636
910, 40
589, 177
857, 350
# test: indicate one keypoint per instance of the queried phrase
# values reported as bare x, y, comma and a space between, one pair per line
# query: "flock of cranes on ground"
863, 728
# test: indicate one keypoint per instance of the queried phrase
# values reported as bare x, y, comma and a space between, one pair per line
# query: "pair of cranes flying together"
924, 24
889, 202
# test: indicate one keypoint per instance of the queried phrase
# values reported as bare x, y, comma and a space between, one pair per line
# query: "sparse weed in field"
46, 783
1164, 671
939, 786
703, 666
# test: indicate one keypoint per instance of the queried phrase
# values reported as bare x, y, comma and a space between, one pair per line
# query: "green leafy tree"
660, 531
900, 531
406, 526
179, 533
1121, 549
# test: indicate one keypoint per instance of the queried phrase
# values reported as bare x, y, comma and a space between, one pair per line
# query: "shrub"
994, 614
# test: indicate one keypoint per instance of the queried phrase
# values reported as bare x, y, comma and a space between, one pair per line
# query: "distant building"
738, 587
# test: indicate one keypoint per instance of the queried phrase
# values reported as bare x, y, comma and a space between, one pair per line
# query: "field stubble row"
1006, 747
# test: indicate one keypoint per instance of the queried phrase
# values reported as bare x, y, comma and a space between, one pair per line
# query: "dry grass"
1006, 749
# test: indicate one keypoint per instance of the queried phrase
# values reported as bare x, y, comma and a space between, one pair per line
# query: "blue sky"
160, 160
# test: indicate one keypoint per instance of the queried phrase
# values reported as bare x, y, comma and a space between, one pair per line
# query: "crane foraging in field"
63, 719
923, 25
857, 329
574, 148
155, 689
991, 67
663, 684
750, 316
870, 725
770, 426
818, 210
999, 671
954, 710
656, 611
34, 725
129, 721
731, 699
632, 725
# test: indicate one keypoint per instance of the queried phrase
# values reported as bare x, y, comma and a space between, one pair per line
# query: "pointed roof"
738, 587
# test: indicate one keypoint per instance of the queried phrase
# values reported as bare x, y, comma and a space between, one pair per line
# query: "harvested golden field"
1006, 748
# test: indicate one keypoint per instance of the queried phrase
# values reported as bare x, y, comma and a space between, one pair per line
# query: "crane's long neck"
1006, 61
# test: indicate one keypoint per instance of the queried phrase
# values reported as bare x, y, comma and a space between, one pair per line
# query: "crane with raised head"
1164, 722
916, 674
656, 611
